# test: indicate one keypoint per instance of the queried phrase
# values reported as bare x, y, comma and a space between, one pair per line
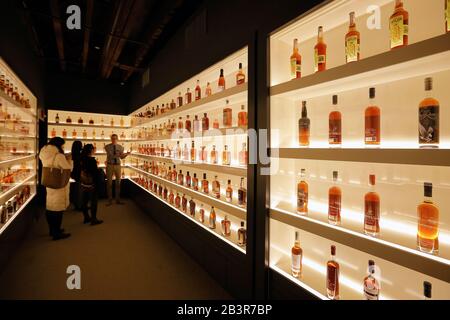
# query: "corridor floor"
127, 257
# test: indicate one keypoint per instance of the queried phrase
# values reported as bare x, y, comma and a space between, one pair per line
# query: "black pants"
54, 220
92, 197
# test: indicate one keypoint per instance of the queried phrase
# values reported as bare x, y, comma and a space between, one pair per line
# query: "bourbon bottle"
53, 133
188, 96
304, 127
371, 284
242, 195
205, 122
188, 124
208, 90
212, 218
192, 208
296, 62
302, 194
197, 124
195, 185
216, 188
198, 91
333, 276
240, 76
221, 83
227, 116
320, 52
214, 155
335, 125
57, 118
193, 152
352, 41
427, 290
201, 213
428, 223
226, 156
226, 226
429, 118
372, 121
242, 118
296, 257
205, 184
334, 202
243, 155
178, 201
229, 192
372, 210
184, 203
242, 235
399, 26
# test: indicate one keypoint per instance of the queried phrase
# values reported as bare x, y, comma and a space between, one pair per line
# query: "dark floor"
127, 257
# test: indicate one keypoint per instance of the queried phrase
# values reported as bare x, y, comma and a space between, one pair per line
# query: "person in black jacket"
75, 190
90, 181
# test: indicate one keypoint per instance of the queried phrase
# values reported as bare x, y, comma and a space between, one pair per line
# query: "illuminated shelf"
203, 134
229, 208
428, 157
215, 232
98, 139
422, 58
9, 193
204, 102
10, 100
236, 171
16, 214
86, 125
433, 266
15, 160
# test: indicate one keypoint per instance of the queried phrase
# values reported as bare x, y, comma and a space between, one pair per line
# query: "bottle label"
296, 258
197, 95
335, 128
371, 131
370, 291
352, 48
302, 198
240, 79
372, 214
295, 68
334, 206
319, 59
429, 125
229, 195
398, 31
332, 278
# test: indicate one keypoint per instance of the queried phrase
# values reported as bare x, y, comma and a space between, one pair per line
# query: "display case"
360, 151
18, 144
93, 128
194, 153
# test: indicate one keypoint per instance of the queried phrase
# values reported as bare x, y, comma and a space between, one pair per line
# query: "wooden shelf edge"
86, 125
221, 205
195, 104
235, 171
412, 259
232, 244
412, 52
428, 157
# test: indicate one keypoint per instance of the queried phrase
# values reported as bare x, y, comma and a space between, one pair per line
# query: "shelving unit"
234, 96
400, 166
18, 148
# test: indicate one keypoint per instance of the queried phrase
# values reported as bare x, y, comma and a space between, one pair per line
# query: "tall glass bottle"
372, 210
335, 125
208, 90
334, 202
296, 257
226, 226
188, 96
242, 195
205, 122
242, 118
302, 194
226, 156
333, 276
304, 127
240, 76
212, 218
229, 192
198, 91
427, 290
221, 83
227, 116
371, 284
296, 62
193, 152
352, 41
242, 235
399, 26
428, 223
192, 208
320, 52
179, 100
243, 155
429, 118
216, 187
201, 213
372, 130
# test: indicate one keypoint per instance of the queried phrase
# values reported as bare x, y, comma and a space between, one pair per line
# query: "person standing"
114, 154
52, 156
89, 181
75, 191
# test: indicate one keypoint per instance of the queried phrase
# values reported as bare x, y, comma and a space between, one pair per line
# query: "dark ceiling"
118, 37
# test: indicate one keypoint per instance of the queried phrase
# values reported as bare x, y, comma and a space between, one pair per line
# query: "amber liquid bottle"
192, 208
201, 214
371, 284
216, 188
302, 194
296, 62
333, 276
372, 121
242, 118
226, 156
304, 124
372, 210
320, 52
198, 91
335, 125
221, 83
214, 155
428, 223
212, 218
242, 195
179, 100
188, 96
429, 118
399, 26
334, 202
296, 257
195, 182
242, 235
352, 41
227, 116
240, 76
208, 90
193, 152
226, 226
229, 192
205, 122
205, 184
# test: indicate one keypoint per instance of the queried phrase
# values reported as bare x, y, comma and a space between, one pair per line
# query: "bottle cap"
240, 65
428, 84
296, 235
428, 189
242, 223
371, 263
335, 175
372, 179
229, 181
204, 176
427, 289
335, 100
372, 93
333, 250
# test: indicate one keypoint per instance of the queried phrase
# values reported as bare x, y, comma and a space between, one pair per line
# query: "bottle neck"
427, 199
429, 93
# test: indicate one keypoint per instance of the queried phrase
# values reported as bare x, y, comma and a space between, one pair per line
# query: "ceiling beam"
87, 33
58, 32
161, 18
127, 68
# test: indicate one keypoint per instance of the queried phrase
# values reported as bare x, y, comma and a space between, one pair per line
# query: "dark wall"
230, 25
76, 93
17, 51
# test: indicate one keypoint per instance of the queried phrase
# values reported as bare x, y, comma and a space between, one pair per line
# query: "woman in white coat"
52, 156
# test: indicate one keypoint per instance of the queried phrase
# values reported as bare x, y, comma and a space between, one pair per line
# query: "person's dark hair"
77, 146
114, 135
58, 142
87, 150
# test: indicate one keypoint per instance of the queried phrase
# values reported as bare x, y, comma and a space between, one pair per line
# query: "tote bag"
55, 178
